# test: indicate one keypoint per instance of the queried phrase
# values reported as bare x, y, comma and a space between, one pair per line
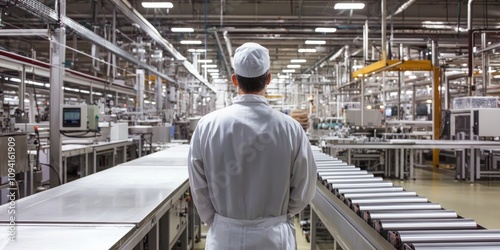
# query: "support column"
486, 62
383, 11
22, 89
139, 81
57, 57
436, 103
159, 89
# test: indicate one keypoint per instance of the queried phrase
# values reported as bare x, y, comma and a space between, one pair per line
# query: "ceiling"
281, 26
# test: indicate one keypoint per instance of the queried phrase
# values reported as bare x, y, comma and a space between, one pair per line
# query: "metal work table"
138, 194
401, 145
63, 237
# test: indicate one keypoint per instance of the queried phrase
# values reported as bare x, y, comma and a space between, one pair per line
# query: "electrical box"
74, 118
486, 122
93, 117
80, 117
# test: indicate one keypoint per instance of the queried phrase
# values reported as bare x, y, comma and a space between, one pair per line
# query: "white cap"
251, 60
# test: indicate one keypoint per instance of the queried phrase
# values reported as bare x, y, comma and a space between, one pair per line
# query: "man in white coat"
250, 167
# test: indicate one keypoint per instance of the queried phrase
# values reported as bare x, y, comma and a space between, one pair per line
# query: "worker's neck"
261, 93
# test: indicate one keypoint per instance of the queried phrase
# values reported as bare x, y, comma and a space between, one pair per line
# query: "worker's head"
251, 67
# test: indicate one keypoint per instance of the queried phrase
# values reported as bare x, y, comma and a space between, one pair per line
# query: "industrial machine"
79, 117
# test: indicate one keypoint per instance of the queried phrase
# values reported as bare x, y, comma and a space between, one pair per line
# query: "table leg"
349, 156
478, 164
64, 174
397, 162
412, 167
312, 230
472, 164
402, 164
124, 154
463, 153
95, 161
114, 157
86, 163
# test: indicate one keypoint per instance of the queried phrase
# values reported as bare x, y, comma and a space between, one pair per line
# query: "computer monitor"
74, 118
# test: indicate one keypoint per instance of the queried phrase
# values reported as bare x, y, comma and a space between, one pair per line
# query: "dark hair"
254, 84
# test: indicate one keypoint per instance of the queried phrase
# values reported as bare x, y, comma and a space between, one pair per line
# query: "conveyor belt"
393, 213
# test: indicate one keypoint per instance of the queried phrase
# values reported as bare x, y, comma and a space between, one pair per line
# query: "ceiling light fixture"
205, 61
298, 60
197, 42
209, 66
315, 42
293, 66
182, 29
212, 70
325, 30
307, 50
157, 5
349, 6
288, 71
197, 50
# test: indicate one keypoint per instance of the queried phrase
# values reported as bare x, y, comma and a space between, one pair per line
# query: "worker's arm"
198, 181
303, 179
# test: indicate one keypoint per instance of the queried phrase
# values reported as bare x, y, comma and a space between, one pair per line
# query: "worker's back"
248, 150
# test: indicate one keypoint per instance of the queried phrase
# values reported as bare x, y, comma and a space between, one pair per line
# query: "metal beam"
130, 12
38, 9
25, 32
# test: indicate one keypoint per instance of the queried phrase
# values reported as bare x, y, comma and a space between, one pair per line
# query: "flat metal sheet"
123, 194
63, 237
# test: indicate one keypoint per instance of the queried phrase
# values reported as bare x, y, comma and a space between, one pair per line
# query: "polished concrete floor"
479, 201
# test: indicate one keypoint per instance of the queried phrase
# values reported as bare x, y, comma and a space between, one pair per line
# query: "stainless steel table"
63, 237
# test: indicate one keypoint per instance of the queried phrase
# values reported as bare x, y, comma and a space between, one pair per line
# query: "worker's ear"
268, 78
234, 80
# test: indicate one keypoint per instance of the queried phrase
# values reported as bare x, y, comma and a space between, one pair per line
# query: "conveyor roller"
399, 238
356, 202
386, 225
453, 246
368, 216
396, 206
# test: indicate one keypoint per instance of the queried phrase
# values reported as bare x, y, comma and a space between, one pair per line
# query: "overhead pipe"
228, 46
470, 77
226, 63
365, 42
402, 8
384, 29
320, 61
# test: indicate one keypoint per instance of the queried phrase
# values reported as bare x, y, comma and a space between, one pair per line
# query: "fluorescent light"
316, 42
212, 70
307, 50
215, 77
496, 76
413, 77
429, 101
214, 73
349, 6
48, 86
15, 80
205, 61
209, 66
182, 29
157, 5
325, 30
288, 71
190, 42
85, 91
298, 60
197, 50
293, 66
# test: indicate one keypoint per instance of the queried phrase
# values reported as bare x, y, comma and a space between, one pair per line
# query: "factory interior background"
399, 99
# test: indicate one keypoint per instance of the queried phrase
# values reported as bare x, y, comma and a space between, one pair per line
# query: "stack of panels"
406, 220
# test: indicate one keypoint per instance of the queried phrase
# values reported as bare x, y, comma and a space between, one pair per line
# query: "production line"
143, 204
364, 212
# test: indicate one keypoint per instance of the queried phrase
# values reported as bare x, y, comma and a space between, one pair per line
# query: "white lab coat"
250, 167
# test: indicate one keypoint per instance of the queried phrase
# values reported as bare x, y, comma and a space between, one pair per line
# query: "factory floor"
478, 201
